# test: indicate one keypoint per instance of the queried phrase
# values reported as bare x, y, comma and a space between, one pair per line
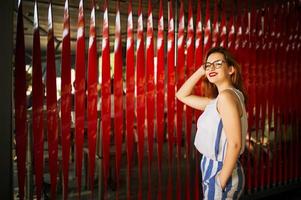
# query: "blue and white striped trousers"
211, 186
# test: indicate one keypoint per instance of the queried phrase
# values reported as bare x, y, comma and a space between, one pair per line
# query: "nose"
212, 68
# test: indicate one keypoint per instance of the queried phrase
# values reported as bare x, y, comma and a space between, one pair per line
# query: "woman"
221, 129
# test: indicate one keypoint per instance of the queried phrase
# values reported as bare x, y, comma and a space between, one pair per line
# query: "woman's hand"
222, 181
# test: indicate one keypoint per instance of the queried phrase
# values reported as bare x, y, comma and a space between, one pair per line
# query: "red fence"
148, 123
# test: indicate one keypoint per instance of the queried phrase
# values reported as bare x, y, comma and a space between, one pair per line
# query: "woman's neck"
224, 86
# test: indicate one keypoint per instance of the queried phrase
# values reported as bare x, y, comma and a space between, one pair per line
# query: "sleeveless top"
210, 139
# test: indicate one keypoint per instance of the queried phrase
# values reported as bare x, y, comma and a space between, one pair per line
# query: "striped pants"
211, 186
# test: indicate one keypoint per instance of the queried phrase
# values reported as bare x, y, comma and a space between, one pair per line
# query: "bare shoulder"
228, 96
227, 99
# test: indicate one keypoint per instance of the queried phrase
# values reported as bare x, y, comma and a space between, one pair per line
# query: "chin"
212, 80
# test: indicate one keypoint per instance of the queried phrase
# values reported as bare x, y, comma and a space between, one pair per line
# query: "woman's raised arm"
184, 94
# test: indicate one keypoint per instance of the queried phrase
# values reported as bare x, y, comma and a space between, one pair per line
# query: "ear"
231, 70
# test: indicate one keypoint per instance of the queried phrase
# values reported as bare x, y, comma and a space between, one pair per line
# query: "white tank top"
210, 139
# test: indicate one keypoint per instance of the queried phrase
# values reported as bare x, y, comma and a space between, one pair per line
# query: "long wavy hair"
209, 89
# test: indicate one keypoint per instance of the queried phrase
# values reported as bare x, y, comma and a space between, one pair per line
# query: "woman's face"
216, 68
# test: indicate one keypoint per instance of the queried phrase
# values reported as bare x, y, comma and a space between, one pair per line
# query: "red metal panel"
130, 87
298, 67
150, 79
198, 89
106, 97
189, 111
92, 97
66, 98
289, 77
150, 92
223, 27
20, 102
170, 81
198, 51
297, 107
269, 73
118, 94
231, 29
276, 100
276, 106
215, 26
245, 47
140, 65
280, 114
268, 87
160, 95
271, 109
189, 72
285, 85
254, 113
290, 80
207, 29
238, 39
169, 186
257, 31
178, 180
264, 91
251, 101
79, 94
37, 106
287, 104
180, 81
180, 76
170, 94
51, 99
294, 116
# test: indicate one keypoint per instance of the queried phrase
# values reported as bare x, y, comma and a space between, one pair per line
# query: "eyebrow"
215, 61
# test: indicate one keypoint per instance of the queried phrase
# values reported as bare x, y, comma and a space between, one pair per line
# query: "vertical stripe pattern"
211, 168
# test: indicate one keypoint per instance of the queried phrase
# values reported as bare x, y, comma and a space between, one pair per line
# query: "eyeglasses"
216, 64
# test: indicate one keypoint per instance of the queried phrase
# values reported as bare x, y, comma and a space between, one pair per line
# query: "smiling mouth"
211, 74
